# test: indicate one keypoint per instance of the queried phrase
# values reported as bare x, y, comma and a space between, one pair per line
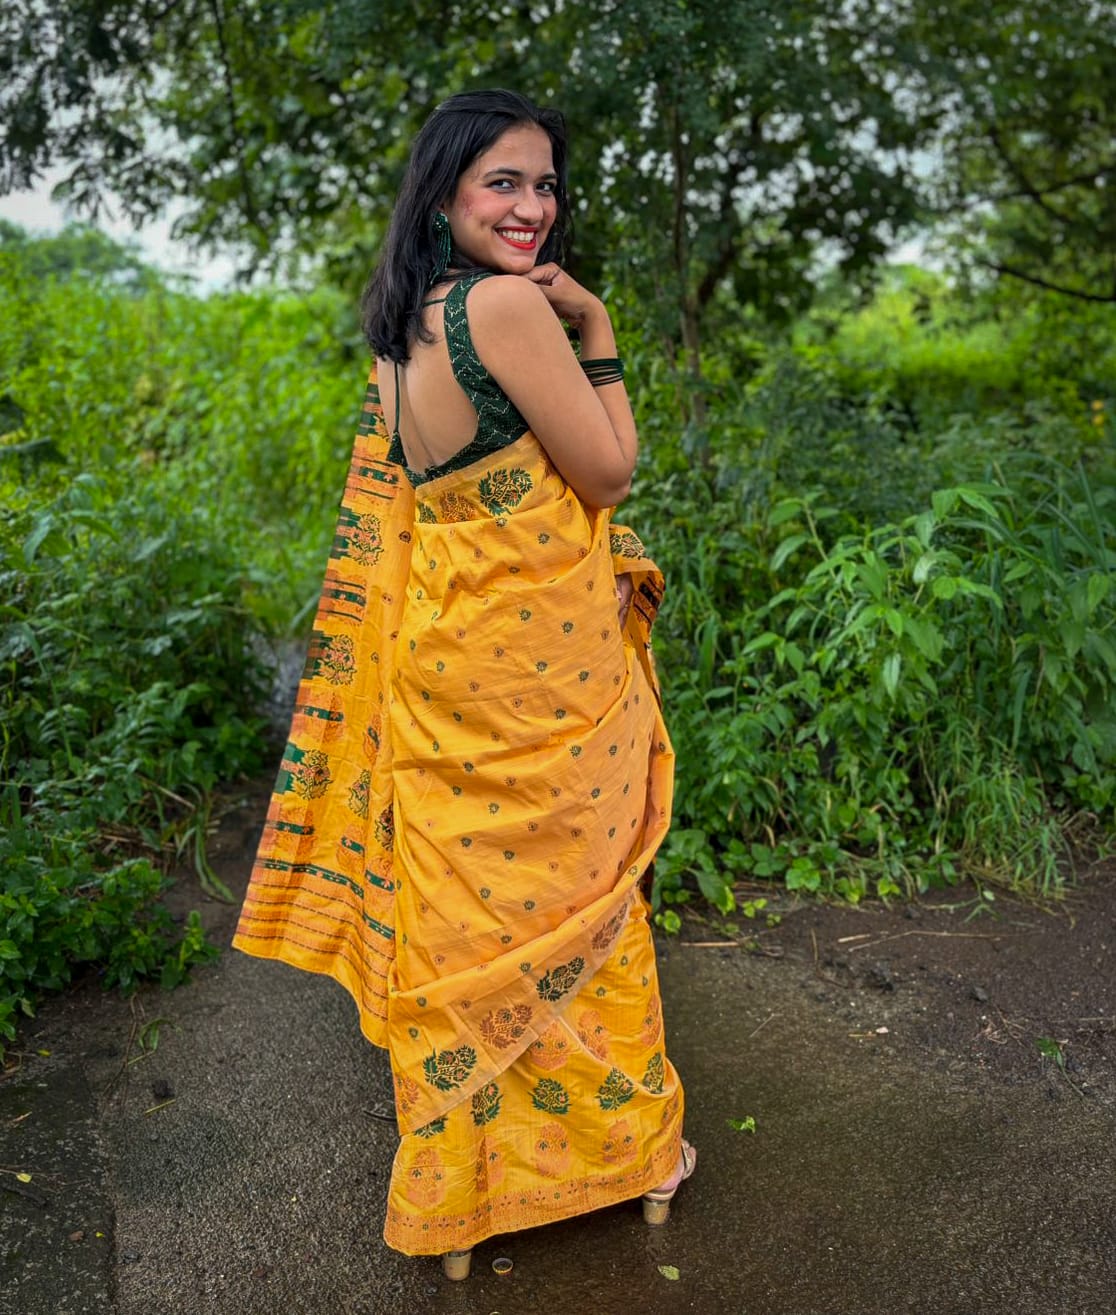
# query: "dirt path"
914, 1149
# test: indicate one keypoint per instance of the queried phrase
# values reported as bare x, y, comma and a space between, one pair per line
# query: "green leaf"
747, 1124
944, 501
784, 511
786, 548
891, 668
1100, 582
1050, 1049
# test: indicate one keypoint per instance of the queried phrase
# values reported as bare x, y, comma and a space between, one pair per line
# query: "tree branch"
234, 128
1028, 188
994, 198
1105, 299
727, 247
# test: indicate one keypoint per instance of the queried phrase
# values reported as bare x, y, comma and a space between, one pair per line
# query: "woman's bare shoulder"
507, 294
510, 314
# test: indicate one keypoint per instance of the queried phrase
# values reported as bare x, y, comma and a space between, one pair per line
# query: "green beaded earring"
443, 246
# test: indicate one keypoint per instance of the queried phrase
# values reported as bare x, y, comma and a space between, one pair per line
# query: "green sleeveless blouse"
499, 424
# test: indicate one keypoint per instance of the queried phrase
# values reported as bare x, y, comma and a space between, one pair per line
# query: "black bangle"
604, 370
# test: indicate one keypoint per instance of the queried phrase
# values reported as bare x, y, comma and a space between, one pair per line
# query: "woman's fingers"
624, 588
544, 275
568, 299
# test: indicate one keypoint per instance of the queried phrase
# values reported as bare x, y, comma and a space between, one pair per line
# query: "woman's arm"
589, 433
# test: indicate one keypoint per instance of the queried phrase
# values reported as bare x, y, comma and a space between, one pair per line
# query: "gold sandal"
656, 1203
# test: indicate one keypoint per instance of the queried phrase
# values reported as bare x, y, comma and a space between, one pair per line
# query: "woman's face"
505, 203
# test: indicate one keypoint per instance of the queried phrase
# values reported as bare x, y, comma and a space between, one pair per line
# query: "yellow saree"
477, 778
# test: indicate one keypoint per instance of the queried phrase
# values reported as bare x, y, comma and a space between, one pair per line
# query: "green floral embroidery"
615, 1090
449, 1068
486, 1104
503, 489
653, 1078
358, 794
337, 663
431, 1129
362, 537
551, 1097
625, 544
310, 776
558, 981
426, 514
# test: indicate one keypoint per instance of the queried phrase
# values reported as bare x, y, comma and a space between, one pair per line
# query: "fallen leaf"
23, 1177
669, 1271
78, 1235
742, 1125
45, 1053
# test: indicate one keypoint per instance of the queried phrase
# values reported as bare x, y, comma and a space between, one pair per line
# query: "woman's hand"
625, 587
568, 299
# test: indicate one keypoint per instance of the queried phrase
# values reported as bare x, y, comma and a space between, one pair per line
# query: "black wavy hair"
459, 130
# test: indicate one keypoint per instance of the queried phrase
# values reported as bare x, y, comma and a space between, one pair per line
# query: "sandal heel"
655, 1213
455, 1264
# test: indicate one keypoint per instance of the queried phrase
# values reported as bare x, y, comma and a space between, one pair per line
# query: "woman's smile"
521, 238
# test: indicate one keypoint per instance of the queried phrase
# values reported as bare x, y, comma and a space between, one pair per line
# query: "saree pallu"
477, 779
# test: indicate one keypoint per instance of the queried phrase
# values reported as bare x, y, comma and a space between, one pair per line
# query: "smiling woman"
478, 775
505, 204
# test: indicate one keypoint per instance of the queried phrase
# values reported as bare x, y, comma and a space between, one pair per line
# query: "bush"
908, 704
169, 468
128, 690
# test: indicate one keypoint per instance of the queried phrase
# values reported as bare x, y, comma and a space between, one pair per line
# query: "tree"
721, 148
712, 140
1028, 139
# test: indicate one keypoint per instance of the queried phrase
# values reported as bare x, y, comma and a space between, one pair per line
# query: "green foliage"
894, 707
887, 648
888, 635
713, 140
61, 908
168, 486
1029, 128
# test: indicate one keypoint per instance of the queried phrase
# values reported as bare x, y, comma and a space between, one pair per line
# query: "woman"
478, 774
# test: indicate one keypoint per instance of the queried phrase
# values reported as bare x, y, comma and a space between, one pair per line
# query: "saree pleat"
477, 780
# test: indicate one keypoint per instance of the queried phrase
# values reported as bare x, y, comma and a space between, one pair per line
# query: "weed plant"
168, 472
887, 649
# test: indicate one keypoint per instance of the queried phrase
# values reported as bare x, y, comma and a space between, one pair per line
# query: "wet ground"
915, 1150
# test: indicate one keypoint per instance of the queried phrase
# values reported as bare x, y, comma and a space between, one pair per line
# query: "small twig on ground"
824, 977
1014, 1030
377, 1114
761, 1026
18, 1189
953, 935
122, 1071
